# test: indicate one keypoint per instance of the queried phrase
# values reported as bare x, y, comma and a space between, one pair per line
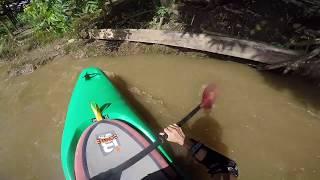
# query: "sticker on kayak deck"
108, 142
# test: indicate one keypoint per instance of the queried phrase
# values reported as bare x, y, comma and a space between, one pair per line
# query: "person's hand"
175, 134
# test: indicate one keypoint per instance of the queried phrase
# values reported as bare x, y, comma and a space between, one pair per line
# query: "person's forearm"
214, 161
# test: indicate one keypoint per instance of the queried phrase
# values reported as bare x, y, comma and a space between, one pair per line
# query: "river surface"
269, 124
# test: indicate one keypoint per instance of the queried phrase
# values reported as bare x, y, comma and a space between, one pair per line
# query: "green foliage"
162, 11
3, 29
92, 7
48, 19
86, 14
58, 16
85, 7
47, 15
6, 27
84, 22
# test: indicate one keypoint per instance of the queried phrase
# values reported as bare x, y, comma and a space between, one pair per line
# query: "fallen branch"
192, 19
253, 13
306, 43
232, 10
292, 64
296, 64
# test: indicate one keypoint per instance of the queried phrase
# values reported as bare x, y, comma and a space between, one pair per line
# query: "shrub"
47, 15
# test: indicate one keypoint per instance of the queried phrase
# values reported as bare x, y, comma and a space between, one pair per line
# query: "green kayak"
94, 86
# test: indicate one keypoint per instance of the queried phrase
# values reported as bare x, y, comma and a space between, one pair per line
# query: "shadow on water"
144, 114
137, 106
208, 131
305, 92
205, 129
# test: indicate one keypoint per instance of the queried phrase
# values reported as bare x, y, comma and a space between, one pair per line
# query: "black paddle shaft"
189, 116
182, 121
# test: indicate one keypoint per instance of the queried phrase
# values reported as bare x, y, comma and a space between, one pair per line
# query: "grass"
11, 47
8, 47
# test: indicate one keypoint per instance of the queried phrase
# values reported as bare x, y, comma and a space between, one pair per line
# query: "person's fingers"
175, 126
171, 125
172, 128
167, 131
180, 132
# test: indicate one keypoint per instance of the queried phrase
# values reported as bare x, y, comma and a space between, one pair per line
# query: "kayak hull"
94, 86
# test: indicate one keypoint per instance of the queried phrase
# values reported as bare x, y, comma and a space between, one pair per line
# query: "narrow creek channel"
269, 124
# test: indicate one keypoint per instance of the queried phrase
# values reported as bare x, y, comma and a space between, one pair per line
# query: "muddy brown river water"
269, 124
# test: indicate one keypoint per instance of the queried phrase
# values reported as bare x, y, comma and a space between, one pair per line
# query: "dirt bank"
29, 61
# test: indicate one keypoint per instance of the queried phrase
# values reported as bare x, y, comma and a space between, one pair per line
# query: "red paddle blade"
209, 96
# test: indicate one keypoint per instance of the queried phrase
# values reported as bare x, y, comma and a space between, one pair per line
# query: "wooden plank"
239, 48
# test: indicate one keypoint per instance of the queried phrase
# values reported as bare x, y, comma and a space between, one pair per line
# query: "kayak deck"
105, 149
94, 86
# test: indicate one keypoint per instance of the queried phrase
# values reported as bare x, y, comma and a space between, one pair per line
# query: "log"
239, 48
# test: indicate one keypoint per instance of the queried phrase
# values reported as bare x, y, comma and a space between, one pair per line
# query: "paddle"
208, 98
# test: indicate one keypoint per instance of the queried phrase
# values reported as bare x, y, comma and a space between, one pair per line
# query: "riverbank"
277, 23
28, 62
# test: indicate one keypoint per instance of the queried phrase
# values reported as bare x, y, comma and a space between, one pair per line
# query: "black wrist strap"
196, 146
214, 161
